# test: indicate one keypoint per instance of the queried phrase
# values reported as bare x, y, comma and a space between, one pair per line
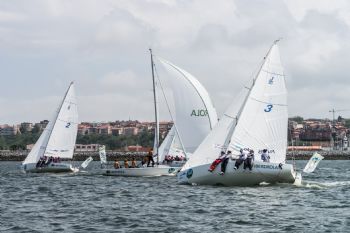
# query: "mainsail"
195, 115
260, 122
59, 136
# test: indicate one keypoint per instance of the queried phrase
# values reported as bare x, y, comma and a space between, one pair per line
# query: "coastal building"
86, 148
26, 127
7, 130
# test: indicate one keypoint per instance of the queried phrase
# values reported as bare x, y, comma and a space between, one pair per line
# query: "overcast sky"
103, 46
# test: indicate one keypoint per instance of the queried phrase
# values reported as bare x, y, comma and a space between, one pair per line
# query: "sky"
103, 46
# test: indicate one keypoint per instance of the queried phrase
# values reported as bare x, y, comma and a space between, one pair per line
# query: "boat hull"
143, 171
261, 173
53, 168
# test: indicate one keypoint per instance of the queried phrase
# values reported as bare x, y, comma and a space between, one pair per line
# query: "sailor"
242, 157
116, 164
248, 163
38, 164
225, 162
217, 161
150, 158
265, 157
126, 163
133, 163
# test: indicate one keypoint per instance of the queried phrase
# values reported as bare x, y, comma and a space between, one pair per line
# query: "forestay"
260, 123
195, 115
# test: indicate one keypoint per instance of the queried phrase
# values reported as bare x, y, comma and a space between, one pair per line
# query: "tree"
298, 119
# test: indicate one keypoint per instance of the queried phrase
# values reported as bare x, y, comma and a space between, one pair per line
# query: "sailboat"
190, 97
258, 122
57, 141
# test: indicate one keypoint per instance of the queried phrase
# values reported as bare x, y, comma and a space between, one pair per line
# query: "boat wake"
324, 185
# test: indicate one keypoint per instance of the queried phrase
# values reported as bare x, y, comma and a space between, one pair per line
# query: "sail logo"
199, 112
271, 80
189, 173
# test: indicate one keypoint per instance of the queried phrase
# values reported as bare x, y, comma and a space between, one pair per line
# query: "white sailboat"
259, 122
57, 140
189, 96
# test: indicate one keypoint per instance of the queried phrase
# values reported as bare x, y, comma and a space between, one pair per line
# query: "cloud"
103, 46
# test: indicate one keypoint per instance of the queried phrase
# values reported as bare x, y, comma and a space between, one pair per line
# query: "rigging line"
268, 102
168, 107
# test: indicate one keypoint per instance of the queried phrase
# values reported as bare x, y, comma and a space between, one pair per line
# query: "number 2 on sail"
268, 108
68, 124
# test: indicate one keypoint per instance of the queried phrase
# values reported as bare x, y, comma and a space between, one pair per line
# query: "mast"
56, 116
156, 134
232, 128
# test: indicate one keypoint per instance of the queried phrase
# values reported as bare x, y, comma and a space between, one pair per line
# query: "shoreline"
113, 155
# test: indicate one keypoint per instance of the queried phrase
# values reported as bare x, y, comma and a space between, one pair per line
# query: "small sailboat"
189, 96
258, 122
57, 140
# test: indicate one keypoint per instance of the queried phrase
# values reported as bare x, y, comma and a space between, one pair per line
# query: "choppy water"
91, 203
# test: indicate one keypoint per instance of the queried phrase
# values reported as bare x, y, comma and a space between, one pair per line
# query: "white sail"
165, 147
213, 144
264, 119
64, 133
195, 115
260, 123
58, 138
40, 145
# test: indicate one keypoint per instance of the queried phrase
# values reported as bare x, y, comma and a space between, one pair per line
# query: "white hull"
52, 167
261, 172
143, 171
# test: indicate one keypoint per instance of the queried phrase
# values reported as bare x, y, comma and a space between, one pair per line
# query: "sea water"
88, 202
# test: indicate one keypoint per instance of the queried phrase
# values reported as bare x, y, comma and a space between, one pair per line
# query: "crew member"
265, 157
225, 162
217, 161
150, 158
242, 157
116, 164
248, 163
133, 163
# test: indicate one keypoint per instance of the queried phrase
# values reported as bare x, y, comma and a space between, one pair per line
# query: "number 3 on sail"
268, 108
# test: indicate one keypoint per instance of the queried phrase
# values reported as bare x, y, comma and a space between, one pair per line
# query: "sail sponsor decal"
171, 170
115, 172
268, 166
199, 112
189, 173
